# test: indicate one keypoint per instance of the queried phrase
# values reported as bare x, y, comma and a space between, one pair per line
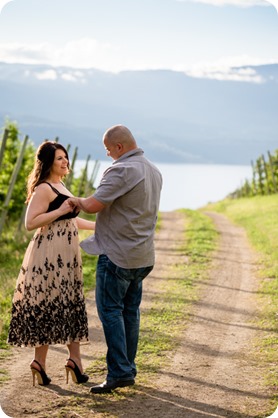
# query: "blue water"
190, 186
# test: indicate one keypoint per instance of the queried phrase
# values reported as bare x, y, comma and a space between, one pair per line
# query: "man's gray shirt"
130, 190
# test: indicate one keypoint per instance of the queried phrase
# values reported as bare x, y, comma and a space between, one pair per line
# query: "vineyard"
16, 162
264, 180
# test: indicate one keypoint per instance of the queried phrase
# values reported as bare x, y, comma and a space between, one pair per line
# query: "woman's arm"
85, 224
36, 215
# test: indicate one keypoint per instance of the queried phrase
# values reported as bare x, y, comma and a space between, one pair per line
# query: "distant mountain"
174, 117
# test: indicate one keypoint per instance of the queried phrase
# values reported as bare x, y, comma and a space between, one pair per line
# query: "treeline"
16, 162
264, 177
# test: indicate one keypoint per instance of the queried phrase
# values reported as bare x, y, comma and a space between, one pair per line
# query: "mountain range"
174, 117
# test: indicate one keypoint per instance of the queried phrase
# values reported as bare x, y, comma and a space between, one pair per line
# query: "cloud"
66, 74
46, 75
229, 74
86, 53
237, 3
23, 53
80, 53
74, 76
3, 4
233, 68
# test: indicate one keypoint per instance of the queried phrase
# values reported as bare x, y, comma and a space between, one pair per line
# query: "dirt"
213, 373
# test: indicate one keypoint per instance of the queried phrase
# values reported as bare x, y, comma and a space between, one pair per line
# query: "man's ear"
120, 146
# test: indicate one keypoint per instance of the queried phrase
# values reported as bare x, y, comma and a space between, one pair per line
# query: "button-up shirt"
130, 190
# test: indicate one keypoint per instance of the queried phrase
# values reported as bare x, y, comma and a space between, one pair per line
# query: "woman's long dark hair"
43, 162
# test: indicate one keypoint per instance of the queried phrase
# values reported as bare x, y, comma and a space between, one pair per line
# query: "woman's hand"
66, 207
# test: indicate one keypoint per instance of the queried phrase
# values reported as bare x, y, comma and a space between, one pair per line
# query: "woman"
48, 303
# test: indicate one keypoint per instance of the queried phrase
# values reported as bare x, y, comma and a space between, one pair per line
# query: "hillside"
175, 117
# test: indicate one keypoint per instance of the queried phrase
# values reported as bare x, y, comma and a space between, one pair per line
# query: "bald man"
127, 204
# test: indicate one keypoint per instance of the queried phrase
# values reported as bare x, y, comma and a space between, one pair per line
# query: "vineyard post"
260, 172
12, 183
272, 172
254, 184
266, 174
84, 176
95, 171
22, 218
3, 145
70, 175
90, 183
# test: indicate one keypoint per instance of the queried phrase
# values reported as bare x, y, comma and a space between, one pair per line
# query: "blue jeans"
118, 297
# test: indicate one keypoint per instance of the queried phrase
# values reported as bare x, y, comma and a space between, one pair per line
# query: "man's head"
118, 140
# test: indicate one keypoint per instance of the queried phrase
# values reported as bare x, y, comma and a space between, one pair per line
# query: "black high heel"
76, 374
42, 377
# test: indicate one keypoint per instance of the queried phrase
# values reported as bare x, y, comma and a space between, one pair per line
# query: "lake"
189, 186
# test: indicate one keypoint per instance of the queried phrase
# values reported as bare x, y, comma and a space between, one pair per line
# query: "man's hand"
88, 205
74, 202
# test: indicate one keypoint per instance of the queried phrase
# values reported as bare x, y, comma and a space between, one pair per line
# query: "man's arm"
87, 204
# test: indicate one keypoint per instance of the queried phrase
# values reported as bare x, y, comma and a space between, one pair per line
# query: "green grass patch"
3, 376
259, 217
162, 324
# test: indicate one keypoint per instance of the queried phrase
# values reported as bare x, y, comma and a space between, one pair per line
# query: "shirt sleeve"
112, 185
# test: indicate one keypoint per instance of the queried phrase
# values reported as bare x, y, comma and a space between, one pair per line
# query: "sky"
203, 38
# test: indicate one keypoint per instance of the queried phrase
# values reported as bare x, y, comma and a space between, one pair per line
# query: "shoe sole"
124, 384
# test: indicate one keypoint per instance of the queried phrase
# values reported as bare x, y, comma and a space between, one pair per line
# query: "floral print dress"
48, 304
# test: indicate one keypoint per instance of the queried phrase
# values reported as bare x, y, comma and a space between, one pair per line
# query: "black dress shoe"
107, 387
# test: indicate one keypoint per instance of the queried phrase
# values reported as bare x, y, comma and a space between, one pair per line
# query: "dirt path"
212, 374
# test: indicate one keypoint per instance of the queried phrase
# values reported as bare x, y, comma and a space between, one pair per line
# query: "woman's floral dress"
48, 304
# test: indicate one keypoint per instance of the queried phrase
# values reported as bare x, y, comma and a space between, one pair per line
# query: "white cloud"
55, 73
81, 53
88, 53
233, 68
237, 3
23, 53
229, 74
46, 75
74, 76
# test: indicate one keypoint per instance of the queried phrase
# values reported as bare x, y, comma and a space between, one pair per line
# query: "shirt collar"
136, 151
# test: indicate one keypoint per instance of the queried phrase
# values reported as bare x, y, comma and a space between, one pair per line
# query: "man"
126, 203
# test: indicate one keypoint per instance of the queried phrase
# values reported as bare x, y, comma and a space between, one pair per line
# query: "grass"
162, 325
259, 217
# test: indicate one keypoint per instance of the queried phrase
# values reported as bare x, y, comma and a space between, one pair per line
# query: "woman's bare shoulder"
43, 189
